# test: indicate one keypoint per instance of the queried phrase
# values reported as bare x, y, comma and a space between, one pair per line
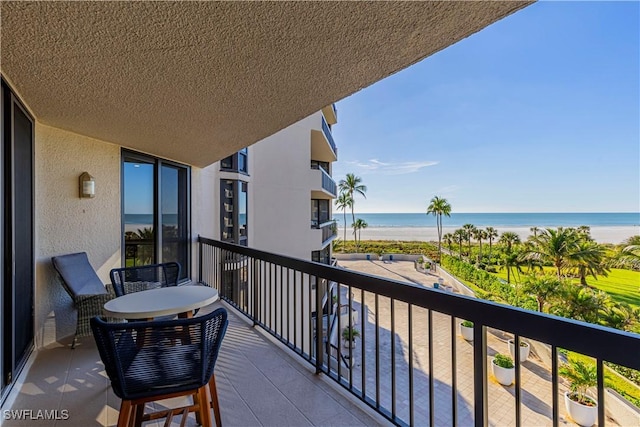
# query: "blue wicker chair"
155, 360
84, 286
127, 280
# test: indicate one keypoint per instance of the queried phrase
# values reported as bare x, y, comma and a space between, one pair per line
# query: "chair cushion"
78, 275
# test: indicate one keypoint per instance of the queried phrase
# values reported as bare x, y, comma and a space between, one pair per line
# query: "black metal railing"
409, 364
327, 133
328, 184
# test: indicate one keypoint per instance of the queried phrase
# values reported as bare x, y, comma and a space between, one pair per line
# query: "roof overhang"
197, 81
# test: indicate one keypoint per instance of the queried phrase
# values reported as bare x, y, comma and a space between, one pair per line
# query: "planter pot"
349, 344
524, 350
505, 376
583, 415
467, 333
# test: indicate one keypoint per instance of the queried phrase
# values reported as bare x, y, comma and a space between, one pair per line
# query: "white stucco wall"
65, 223
282, 181
205, 205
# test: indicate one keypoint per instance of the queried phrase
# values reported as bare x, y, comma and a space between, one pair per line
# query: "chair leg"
204, 409
125, 414
214, 400
138, 414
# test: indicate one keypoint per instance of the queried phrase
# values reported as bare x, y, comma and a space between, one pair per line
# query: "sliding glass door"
155, 196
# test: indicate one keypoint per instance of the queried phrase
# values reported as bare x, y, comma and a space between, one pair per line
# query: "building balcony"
323, 147
329, 230
258, 383
330, 114
322, 186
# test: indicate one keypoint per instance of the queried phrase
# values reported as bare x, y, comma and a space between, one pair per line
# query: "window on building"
322, 256
155, 196
320, 209
233, 211
317, 164
236, 162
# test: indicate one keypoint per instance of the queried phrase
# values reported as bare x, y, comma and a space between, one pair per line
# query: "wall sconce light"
87, 186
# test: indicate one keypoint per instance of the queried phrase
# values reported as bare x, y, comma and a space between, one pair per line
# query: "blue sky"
539, 112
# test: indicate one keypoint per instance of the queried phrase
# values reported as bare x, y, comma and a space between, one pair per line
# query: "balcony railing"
328, 184
329, 136
329, 229
408, 364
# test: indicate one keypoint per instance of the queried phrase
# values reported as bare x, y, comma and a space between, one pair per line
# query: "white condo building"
277, 195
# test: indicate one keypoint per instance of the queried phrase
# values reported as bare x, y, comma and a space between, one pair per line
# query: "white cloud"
400, 168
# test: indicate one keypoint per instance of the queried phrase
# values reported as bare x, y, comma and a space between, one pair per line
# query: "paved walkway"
536, 388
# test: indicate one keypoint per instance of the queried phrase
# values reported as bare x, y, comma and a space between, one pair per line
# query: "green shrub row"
492, 288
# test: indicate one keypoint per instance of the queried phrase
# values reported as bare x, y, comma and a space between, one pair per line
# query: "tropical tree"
534, 230
580, 303
459, 236
468, 229
629, 257
343, 202
588, 258
511, 260
352, 185
479, 234
509, 239
555, 247
492, 233
439, 207
448, 239
618, 315
541, 288
358, 226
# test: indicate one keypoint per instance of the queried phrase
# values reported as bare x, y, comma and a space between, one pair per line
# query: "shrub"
467, 324
503, 361
349, 334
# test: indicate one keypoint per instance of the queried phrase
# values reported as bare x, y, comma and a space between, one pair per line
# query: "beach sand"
600, 234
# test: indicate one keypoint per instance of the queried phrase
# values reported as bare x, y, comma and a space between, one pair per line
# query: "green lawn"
622, 285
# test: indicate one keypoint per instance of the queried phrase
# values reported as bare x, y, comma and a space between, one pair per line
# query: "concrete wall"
66, 223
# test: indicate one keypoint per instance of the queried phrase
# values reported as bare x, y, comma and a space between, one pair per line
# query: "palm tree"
342, 203
511, 259
534, 230
448, 239
352, 185
459, 236
588, 259
438, 207
629, 257
491, 234
555, 246
509, 238
542, 288
359, 225
469, 229
479, 234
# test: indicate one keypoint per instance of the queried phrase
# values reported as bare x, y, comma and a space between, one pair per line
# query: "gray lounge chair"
84, 286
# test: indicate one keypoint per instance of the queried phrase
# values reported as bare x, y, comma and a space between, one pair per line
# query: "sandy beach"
613, 235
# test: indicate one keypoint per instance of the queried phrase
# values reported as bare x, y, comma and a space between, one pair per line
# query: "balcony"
258, 383
329, 230
331, 114
324, 181
323, 147
409, 363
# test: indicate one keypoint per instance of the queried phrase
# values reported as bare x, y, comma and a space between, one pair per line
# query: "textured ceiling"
196, 81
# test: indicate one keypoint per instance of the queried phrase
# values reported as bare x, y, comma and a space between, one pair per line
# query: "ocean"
408, 220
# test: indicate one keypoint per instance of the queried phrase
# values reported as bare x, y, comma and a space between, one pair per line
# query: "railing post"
319, 321
199, 260
480, 375
255, 299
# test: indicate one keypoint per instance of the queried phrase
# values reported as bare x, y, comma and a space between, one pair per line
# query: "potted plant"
349, 335
466, 329
525, 348
420, 263
503, 369
582, 408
